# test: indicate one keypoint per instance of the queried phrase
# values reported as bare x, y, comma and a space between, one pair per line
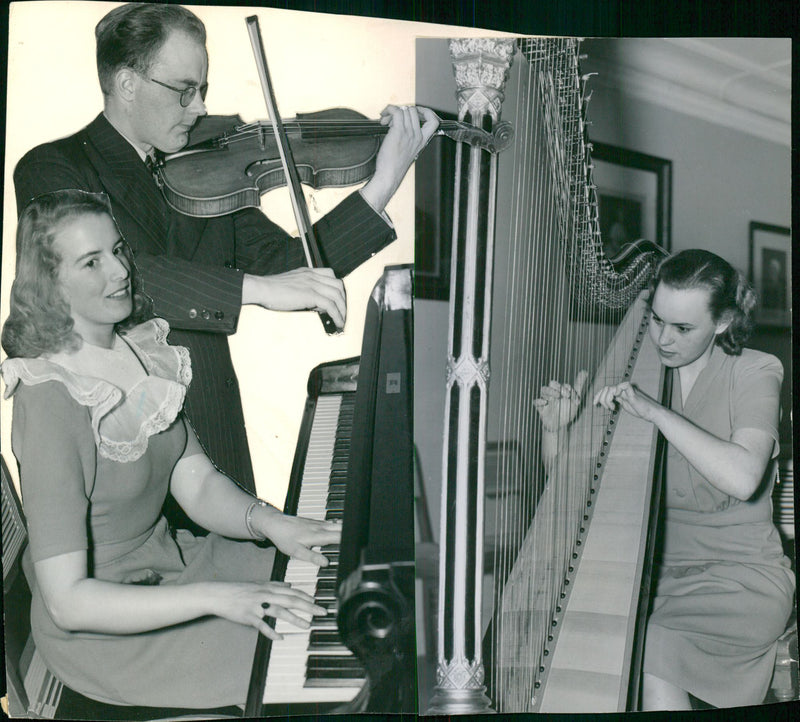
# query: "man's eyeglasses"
187, 94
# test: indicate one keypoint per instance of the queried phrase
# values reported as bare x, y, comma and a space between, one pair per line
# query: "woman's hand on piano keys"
558, 403
296, 535
248, 603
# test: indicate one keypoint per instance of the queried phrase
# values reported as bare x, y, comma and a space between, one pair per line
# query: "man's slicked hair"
131, 36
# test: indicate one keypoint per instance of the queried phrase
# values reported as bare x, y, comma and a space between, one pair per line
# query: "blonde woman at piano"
124, 610
724, 589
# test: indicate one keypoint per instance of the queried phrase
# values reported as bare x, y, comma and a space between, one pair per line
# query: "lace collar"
122, 422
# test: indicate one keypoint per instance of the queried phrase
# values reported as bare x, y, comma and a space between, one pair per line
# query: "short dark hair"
132, 35
730, 295
39, 320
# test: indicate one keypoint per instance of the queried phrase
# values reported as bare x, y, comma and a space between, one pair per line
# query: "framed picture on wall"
771, 273
433, 217
634, 197
634, 204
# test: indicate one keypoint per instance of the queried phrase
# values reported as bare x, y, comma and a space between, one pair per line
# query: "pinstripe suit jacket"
192, 268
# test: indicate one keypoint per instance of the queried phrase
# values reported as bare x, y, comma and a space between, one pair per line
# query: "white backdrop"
316, 61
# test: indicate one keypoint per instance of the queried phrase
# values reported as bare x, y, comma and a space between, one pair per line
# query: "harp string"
558, 294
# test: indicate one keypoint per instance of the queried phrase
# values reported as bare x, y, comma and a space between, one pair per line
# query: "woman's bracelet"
248, 519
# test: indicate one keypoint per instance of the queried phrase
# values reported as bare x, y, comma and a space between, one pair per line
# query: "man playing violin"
152, 65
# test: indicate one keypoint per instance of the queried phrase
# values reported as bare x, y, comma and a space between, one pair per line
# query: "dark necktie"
152, 163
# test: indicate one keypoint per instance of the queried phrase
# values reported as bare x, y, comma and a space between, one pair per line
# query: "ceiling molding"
745, 87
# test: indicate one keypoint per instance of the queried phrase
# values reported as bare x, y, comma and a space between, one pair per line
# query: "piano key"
324, 638
324, 664
326, 622
333, 671
326, 586
286, 674
286, 682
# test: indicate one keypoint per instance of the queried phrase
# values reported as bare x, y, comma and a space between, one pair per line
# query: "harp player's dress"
724, 590
95, 464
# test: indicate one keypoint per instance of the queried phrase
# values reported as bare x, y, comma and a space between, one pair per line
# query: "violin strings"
341, 127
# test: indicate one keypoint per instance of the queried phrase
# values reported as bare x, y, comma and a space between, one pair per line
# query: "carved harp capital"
481, 66
460, 674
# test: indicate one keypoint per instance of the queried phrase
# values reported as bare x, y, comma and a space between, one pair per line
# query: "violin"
236, 162
230, 170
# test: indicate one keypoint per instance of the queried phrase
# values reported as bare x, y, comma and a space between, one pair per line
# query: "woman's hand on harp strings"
629, 397
558, 403
406, 138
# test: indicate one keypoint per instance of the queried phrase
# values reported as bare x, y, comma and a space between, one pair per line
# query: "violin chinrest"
212, 126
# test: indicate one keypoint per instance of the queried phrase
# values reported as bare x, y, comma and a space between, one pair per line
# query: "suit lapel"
127, 180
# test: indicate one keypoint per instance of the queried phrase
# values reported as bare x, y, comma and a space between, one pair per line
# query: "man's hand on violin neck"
410, 129
301, 289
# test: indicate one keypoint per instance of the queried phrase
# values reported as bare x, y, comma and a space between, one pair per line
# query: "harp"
569, 560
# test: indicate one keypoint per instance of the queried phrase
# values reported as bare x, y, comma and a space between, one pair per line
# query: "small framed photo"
434, 190
634, 205
771, 273
634, 197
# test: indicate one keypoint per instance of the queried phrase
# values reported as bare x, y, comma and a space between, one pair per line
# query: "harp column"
481, 68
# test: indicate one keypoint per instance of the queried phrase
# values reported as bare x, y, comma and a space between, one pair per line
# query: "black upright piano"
353, 461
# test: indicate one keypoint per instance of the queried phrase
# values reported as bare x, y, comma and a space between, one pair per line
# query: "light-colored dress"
724, 590
95, 463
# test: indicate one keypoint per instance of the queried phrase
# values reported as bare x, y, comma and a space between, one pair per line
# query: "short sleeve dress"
724, 587
95, 464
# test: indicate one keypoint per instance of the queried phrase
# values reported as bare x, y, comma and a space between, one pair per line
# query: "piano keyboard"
783, 499
312, 665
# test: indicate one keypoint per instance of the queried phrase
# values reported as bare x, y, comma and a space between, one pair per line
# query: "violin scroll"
498, 140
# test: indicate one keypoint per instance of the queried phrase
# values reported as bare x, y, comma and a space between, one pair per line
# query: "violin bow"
304, 226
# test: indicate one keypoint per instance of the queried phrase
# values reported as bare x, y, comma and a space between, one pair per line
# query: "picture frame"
770, 273
634, 206
634, 195
433, 217
634, 198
